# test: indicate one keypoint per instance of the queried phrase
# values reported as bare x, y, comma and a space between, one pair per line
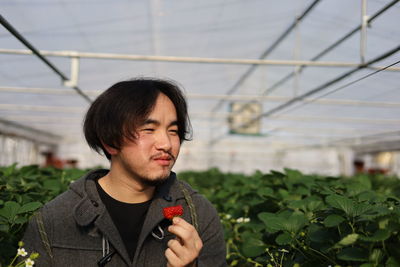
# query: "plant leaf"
333, 220
348, 240
272, 221
342, 203
32, 206
353, 254
295, 222
284, 239
265, 192
361, 208
4, 228
392, 262
320, 234
253, 247
21, 220
379, 235
10, 210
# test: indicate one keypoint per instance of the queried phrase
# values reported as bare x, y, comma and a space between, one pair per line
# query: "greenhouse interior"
314, 82
309, 86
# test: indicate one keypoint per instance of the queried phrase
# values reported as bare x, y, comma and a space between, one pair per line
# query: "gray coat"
79, 228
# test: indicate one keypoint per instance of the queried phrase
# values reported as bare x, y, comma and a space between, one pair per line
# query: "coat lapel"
165, 196
91, 211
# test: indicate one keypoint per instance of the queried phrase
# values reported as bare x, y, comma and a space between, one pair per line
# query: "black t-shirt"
127, 217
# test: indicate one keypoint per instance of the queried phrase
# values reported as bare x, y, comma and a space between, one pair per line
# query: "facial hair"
153, 182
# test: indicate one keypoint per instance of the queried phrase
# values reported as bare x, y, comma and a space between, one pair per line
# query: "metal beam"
95, 93
363, 31
18, 130
44, 119
299, 119
252, 68
326, 119
78, 110
36, 52
230, 61
331, 47
325, 85
45, 91
206, 115
366, 21
378, 146
309, 93
320, 130
358, 143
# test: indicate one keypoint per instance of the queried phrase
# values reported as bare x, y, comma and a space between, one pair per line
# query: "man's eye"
148, 130
173, 131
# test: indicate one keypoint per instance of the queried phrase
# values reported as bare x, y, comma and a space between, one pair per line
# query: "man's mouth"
163, 160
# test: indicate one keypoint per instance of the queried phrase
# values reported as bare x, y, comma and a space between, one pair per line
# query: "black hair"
117, 113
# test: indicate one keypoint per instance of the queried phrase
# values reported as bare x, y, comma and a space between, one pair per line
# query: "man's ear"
111, 150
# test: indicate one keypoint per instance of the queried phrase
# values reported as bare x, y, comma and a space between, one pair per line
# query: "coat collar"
90, 206
91, 210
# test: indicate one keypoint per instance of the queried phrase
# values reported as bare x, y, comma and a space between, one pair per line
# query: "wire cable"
343, 86
268, 113
331, 47
251, 69
322, 53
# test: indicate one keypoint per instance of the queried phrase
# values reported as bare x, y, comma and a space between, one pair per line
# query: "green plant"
288, 219
22, 191
275, 219
19, 259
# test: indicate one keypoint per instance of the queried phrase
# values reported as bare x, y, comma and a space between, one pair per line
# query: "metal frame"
300, 64
299, 99
37, 53
231, 61
321, 101
11, 129
365, 21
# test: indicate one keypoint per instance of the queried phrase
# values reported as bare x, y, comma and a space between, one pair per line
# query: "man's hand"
183, 250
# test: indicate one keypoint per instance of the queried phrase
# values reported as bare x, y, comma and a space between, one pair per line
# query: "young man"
115, 217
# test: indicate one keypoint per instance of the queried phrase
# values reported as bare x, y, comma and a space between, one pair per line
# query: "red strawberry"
171, 212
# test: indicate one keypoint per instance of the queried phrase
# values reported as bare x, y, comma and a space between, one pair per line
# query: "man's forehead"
154, 121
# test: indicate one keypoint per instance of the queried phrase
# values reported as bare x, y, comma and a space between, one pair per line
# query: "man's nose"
163, 142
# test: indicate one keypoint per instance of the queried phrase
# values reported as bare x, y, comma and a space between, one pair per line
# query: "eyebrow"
156, 122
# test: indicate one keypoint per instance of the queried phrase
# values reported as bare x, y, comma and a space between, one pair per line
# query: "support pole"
364, 24
266, 53
331, 47
320, 88
36, 52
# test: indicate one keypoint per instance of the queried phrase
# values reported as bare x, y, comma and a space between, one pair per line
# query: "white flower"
228, 216
22, 252
29, 263
242, 220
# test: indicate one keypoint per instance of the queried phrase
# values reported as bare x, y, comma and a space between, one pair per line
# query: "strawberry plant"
22, 191
291, 219
274, 219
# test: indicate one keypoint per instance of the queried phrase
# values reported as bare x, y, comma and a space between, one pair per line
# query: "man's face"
150, 157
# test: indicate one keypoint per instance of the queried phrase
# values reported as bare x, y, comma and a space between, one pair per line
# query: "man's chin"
154, 181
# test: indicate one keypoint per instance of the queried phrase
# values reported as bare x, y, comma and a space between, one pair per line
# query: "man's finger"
176, 247
184, 254
181, 222
172, 259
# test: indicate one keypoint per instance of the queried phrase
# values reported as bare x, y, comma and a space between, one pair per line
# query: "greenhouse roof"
319, 72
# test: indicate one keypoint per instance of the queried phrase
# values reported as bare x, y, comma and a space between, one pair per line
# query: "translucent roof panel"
220, 51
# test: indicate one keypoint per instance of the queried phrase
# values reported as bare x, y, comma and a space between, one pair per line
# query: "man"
115, 217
